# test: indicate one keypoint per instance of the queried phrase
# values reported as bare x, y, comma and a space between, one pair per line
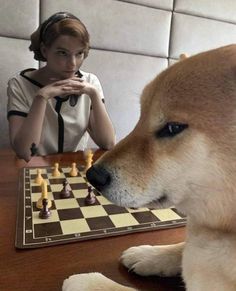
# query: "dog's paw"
92, 282
153, 260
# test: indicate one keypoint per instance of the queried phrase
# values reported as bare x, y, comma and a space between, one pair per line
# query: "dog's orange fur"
194, 170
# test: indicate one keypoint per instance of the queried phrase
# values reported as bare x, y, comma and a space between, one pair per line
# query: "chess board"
72, 220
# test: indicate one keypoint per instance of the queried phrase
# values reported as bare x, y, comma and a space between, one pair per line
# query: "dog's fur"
194, 170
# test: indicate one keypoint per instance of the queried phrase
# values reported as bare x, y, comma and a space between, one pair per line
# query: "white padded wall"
192, 34
215, 9
17, 21
201, 25
119, 26
166, 4
131, 42
18, 18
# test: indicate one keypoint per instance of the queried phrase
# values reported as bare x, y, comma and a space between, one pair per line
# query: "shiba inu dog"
182, 152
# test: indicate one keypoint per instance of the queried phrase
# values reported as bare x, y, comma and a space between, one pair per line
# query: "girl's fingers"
69, 90
74, 86
77, 79
70, 82
66, 88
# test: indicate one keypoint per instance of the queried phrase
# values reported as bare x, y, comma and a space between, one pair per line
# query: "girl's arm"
24, 131
100, 126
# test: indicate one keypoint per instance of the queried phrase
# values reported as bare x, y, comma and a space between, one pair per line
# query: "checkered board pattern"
72, 220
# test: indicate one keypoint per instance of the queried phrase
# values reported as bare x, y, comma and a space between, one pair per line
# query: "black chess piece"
45, 212
33, 149
65, 192
91, 198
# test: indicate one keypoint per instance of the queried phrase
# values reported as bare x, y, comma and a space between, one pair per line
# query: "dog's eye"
171, 129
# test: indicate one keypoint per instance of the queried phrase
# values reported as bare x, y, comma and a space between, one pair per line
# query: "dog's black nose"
98, 177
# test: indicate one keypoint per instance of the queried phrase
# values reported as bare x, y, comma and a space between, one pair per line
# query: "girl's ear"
43, 50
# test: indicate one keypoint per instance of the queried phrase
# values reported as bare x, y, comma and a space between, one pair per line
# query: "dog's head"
182, 151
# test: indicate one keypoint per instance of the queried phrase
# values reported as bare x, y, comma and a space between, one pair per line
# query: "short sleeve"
17, 103
96, 83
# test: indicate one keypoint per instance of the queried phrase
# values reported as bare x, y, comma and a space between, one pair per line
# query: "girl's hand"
79, 86
67, 87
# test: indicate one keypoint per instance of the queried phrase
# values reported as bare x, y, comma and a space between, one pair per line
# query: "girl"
50, 110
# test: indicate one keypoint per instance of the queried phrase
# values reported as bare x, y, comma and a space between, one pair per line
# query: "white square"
66, 203
93, 211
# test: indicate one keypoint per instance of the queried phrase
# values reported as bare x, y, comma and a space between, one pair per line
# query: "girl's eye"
171, 129
80, 54
61, 53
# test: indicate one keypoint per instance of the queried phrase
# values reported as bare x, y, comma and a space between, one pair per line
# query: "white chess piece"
56, 172
74, 171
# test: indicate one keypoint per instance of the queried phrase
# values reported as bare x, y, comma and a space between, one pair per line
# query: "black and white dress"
65, 126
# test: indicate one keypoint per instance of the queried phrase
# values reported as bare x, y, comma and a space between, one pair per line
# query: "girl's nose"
72, 60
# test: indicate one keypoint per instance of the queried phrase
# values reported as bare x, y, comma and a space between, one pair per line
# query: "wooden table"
46, 268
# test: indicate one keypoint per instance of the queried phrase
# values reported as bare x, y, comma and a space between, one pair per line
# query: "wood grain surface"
46, 268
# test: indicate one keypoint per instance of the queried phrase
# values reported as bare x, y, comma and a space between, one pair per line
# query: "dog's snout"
98, 176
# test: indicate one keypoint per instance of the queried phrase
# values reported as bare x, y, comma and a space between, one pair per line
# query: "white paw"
152, 260
84, 282
91, 282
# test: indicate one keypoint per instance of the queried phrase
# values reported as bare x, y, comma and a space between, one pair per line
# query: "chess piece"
91, 198
88, 159
44, 188
39, 178
33, 150
56, 172
45, 212
66, 191
74, 170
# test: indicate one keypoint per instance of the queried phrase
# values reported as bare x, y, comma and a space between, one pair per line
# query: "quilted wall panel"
131, 42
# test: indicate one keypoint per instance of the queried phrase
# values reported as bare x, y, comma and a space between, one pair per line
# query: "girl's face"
64, 57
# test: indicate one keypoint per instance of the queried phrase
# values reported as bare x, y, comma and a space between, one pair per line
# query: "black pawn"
33, 149
45, 212
91, 198
65, 192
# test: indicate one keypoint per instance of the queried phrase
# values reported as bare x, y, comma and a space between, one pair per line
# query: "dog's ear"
182, 57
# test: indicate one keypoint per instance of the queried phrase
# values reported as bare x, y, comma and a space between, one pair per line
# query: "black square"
178, 212
47, 229
68, 214
78, 186
114, 209
33, 176
57, 181
57, 195
82, 202
97, 223
69, 176
145, 217
38, 189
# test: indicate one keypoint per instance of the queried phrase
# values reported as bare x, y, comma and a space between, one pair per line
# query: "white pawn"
44, 188
56, 172
39, 178
74, 170
88, 159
